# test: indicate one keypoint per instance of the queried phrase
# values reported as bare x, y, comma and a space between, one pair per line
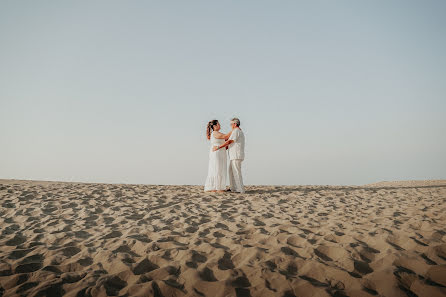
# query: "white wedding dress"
217, 170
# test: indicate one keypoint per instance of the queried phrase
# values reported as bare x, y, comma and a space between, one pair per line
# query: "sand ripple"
74, 239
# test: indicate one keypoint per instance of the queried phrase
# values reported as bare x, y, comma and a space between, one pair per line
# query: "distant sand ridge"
81, 239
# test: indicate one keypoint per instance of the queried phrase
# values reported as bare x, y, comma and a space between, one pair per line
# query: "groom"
236, 144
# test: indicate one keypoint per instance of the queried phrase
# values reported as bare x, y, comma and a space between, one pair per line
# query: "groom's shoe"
228, 190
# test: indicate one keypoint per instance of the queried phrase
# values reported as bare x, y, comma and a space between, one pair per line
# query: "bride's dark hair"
210, 127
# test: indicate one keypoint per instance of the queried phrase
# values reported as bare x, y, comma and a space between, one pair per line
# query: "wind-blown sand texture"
79, 239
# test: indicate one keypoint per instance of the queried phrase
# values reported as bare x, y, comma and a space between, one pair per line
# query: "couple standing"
234, 142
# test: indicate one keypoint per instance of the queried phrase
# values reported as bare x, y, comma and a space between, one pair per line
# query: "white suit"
236, 156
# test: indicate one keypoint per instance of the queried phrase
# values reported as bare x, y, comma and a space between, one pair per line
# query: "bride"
216, 179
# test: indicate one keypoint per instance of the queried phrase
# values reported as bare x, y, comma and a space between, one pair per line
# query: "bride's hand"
215, 148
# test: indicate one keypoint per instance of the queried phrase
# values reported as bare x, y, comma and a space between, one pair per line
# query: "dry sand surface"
79, 239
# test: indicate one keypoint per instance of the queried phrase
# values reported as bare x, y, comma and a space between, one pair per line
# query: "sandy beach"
81, 239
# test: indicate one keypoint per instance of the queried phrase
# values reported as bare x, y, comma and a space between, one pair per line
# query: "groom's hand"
215, 148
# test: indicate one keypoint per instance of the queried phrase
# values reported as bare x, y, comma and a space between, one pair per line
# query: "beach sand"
81, 239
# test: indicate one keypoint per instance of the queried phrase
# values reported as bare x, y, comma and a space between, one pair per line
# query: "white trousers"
235, 176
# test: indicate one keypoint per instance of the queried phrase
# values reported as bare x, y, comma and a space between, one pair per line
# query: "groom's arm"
232, 138
226, 144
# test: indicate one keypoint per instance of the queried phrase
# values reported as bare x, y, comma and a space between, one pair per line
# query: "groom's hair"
236, 121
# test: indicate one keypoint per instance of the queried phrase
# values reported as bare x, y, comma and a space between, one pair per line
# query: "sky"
328, 92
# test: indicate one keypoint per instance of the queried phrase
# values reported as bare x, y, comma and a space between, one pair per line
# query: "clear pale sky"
328, 92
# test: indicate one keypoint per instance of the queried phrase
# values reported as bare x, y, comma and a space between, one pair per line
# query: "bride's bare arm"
228, 135
221, 135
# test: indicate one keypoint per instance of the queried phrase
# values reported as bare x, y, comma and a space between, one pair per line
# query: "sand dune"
79, 239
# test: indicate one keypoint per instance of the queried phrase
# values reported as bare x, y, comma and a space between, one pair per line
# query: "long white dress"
217, 171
